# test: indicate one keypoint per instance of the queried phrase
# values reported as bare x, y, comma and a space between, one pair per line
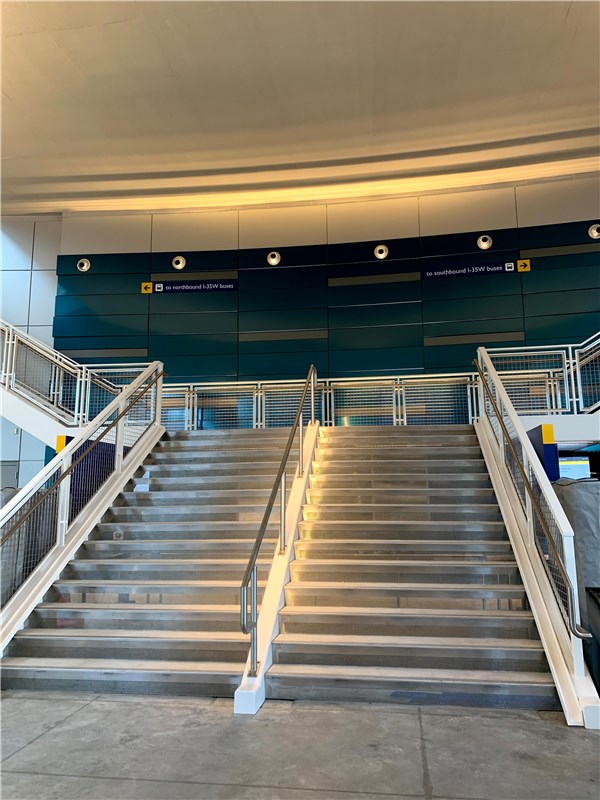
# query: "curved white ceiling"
154, 105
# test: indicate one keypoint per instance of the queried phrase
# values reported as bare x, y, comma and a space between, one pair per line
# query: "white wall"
28, 249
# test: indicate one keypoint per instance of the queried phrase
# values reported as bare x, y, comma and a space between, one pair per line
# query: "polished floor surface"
81, 746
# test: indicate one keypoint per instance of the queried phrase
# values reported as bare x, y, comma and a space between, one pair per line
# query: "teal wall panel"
565, 302
372, 362
99, 305
116, 325
217, 322
284, 320
336, 305
385, 336
315, 297
392, 314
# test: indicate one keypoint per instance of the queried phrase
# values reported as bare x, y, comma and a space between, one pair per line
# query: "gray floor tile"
337, 749
17, 786
510, 758
26, 718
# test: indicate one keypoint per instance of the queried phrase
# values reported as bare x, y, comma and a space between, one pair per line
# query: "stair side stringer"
576, 692
250, 695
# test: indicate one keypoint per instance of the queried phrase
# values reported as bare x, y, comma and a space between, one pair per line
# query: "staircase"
404, 586
150, 603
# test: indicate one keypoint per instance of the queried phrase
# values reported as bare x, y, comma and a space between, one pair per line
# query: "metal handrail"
73, 464
577, 630
250, 574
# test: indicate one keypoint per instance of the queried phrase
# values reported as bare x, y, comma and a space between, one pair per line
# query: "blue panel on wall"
105, 264
117, 325
374, 293
276, 320
273, 278
192, 344
371, 362
193, 302
385, 336
86, 284
97, 305
291, 365
219, 321
314, 297
358, 316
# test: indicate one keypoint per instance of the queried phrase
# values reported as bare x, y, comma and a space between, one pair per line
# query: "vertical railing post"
158, 396
313, 387
300, 449
64, 503
282, 500
120, 438
528, 504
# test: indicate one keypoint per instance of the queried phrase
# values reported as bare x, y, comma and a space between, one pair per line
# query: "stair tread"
142, 607
453, 613
348, 640
406, 673
396, 562
116, 633
158, 582
164, 562
123, 665
354, 585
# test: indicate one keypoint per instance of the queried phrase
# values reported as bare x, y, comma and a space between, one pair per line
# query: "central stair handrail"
250, 579
552, 560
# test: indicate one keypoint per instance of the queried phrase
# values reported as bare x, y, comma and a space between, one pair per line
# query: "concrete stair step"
351, 549
430, 652
401, 529
444, 481
150, 591
438, 465
400, 511
503, 689
138, 616
188, 678
486, 573
196, 497
162, 568
173, 548
194, 530
399, 494
395, 451
407, 594
249, 512
373, 621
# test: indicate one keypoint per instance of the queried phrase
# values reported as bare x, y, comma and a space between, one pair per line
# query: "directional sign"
147, 288
524, 265
208, 285
459, 271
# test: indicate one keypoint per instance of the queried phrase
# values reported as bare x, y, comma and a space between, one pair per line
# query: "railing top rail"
564, 524
53, 355
38, 480
286, 454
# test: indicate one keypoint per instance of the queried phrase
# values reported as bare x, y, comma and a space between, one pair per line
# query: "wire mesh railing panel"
427, 402
368, 403
280, 404
222, 408
534, 380
43, 518
588, 368
175, 415
33, 534
47, 382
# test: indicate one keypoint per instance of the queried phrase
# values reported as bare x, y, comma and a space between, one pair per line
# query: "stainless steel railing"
70, 392
38, 519
250, 579
544, 528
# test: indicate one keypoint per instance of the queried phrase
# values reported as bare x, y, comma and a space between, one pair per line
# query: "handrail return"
250, 579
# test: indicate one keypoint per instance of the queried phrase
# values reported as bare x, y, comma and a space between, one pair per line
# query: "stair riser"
396, 453
379, 495
364, 482
187, 514
205, 483
346, 625
189, 549
458, 531
399, 512
203, 500
383, 466
192, 531
271, 457
484, 576
137, 572
413, 693
150, 620
178, 594
185, 471
163, 651
484, 658
126, 682
390, 436
399, 550
476, 598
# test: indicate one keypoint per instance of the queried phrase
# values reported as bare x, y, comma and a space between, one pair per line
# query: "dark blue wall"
334, 305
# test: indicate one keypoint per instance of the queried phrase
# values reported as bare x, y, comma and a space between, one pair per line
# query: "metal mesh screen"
588, 367
280, 404
442, 402
372, 403
50, 383
34, 526
223, 408
534, 380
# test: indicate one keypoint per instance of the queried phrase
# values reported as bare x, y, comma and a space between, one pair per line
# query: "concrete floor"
81, 746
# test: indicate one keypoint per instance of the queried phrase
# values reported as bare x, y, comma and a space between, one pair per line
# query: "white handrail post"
313, 381
158, 397
64, 503
528, 505
282, 500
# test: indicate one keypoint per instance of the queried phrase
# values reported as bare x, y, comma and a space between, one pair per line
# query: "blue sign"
495, 268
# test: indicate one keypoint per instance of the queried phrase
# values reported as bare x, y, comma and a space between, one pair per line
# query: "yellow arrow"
524, 265
146, 288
